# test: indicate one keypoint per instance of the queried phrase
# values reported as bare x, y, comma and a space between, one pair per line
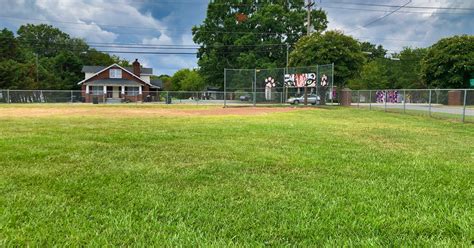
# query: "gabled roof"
158, 83
106, 68
94, 69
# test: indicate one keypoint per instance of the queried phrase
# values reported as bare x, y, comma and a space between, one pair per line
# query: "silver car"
313, 99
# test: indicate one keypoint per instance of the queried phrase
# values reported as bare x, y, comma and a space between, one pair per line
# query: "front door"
115, 92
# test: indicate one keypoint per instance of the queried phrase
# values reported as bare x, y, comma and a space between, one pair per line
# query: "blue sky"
169, 22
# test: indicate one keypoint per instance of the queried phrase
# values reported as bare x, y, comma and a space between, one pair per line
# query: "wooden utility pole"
308, 21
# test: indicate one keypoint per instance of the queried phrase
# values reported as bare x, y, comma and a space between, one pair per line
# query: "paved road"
435, 108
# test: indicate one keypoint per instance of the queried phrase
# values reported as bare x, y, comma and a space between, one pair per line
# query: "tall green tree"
407, 73
449, 62
250, 34
372, 51
44, 57
187, 80
373, 75
43, 40
330, 47
9, 47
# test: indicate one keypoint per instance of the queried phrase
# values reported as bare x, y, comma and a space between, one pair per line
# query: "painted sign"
300, 80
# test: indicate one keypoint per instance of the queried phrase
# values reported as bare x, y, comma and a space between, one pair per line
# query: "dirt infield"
127, 111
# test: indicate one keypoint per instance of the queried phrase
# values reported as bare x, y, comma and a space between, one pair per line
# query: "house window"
132, 91
115, 73
97, 90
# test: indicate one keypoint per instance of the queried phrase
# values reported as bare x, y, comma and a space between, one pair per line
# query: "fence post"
255, 88
8, 95
386, 98
72, 97
225, 88
404, 101
332, 85
464, 106
429, 106
358, 98
370, 100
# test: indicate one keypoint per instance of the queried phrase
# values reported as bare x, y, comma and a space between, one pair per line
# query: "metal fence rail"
456, 104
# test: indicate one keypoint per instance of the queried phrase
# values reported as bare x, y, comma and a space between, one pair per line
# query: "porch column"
105, 89
123, 90
140, 91
87, 89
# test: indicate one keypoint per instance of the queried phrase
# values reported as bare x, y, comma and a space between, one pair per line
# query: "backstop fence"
277, 85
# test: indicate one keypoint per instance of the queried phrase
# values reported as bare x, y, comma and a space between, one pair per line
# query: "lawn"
306, 177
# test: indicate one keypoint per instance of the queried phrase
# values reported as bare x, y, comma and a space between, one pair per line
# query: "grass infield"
306, 177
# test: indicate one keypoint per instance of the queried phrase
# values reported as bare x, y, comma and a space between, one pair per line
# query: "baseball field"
144, 175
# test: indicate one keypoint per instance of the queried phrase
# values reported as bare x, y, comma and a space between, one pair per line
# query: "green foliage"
330, 47
372, 51
409, 75
374, 75
9, 47
44, 57
384, 73
449, 62
187, 80
228, 43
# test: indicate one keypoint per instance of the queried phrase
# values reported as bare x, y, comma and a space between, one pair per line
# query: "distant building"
115, 83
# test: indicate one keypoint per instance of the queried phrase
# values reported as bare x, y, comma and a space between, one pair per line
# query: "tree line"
257, 34
43, 57
245, 34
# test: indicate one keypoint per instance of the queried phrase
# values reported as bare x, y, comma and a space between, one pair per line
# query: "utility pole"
309, 6
37, 77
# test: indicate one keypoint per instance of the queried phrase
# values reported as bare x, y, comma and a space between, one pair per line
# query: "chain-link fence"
455, 104
279, 85
99, 97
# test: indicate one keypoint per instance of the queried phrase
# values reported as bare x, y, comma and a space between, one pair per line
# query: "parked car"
312, 99
245, 98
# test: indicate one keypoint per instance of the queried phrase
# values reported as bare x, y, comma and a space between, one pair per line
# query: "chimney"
136, 68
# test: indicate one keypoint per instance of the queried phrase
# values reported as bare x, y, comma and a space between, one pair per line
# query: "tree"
9, 48
43, 39
258, 38
330, 47
374, 75
408, 69
166, 79
43, 57
372, 51
187, 80
449, 62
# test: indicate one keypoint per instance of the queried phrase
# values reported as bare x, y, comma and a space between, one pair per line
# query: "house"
115, 83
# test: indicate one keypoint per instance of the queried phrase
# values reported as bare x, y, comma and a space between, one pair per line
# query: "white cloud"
403, 29
162, 40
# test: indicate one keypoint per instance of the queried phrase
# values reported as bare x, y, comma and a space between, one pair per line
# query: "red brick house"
114, 83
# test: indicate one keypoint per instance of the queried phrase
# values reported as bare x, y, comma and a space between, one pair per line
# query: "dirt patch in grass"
49, 111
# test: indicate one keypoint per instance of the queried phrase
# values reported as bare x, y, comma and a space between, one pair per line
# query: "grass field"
200, 175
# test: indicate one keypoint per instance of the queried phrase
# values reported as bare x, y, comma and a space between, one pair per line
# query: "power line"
381, 17
403, 6
401, 12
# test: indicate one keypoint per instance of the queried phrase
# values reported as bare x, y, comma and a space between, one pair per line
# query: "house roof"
113, 81
157, 83
95, 69
115, 65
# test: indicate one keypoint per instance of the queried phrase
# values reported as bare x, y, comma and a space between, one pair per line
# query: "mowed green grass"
322, 177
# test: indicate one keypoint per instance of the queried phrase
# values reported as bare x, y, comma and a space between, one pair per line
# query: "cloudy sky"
168, 22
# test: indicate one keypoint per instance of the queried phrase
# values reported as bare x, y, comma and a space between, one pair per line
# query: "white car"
313, 99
